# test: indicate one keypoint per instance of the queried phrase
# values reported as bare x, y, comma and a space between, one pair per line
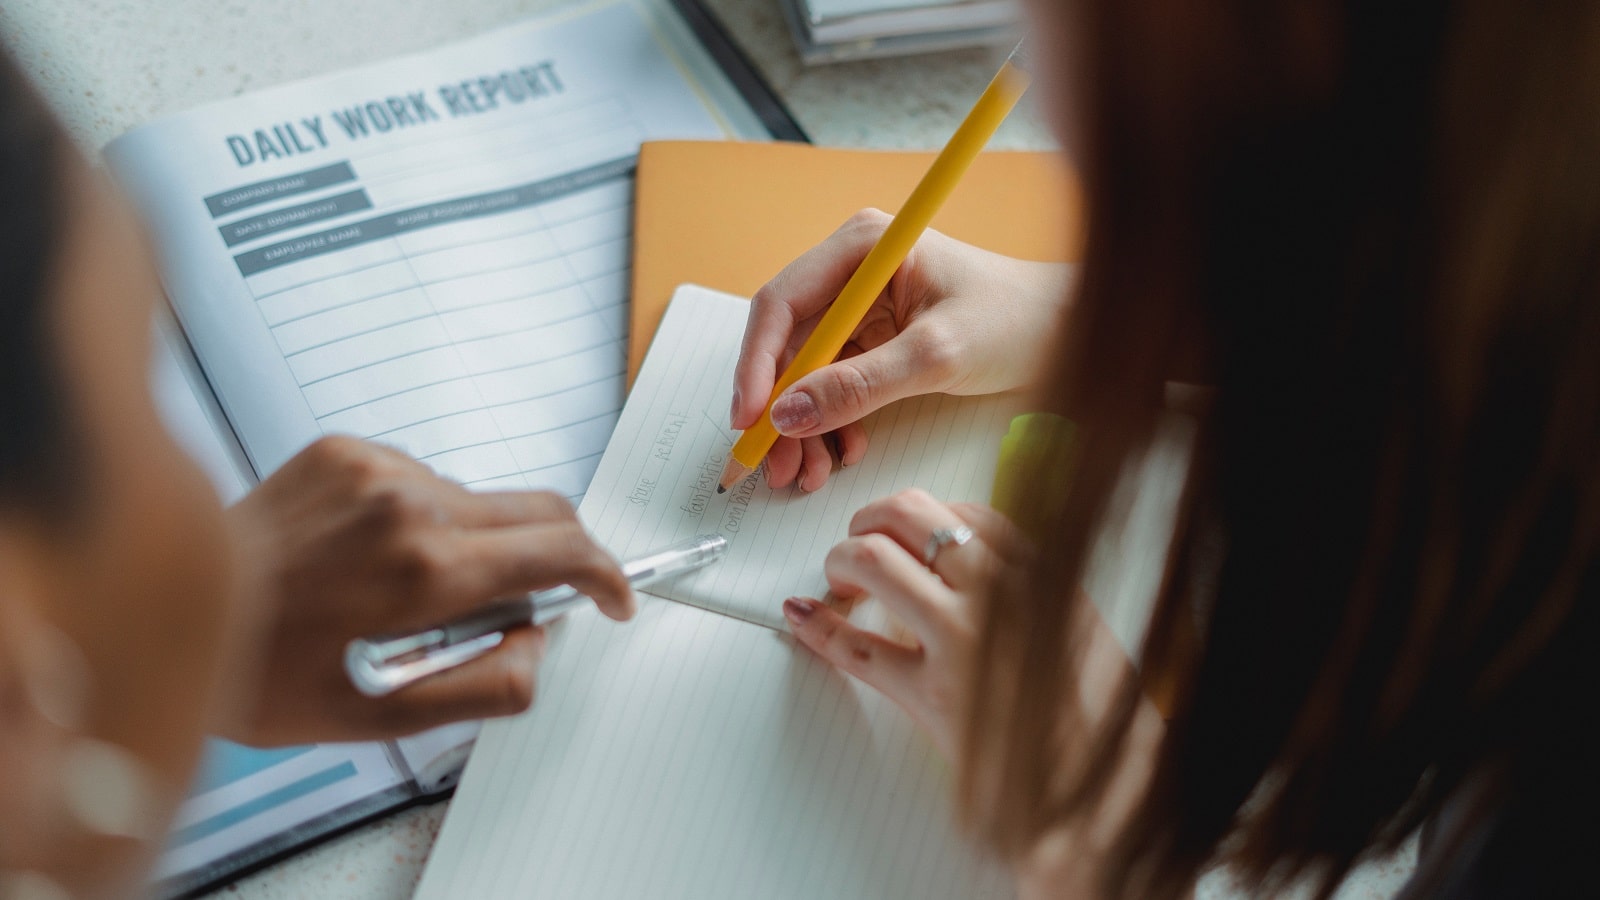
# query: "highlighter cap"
1036, 462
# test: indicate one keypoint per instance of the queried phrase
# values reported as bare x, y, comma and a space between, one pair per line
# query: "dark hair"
1379, 226
34, 430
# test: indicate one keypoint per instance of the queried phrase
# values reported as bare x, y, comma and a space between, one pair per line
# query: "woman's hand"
352, 539
930, 675
954, 319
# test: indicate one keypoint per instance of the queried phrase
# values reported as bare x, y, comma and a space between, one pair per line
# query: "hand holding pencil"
955, 319
835, 327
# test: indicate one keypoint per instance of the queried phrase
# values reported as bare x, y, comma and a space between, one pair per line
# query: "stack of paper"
835, 30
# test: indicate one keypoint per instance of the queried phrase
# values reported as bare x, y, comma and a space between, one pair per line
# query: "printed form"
431, 252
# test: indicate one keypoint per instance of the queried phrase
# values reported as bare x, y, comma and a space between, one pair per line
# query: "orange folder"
729, 215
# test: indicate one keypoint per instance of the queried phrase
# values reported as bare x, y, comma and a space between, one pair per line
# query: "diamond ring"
942, 538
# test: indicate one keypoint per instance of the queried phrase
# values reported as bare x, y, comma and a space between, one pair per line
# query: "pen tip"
721, 489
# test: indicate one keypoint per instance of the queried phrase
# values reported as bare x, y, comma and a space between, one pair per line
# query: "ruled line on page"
463, 245
657, 481
481, 335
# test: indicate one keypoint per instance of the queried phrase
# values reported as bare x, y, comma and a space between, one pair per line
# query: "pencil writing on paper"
657, 482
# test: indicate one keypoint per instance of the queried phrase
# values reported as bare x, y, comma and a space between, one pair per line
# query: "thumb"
848, 390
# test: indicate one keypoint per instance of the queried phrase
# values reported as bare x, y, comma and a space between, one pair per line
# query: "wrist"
1015, 325
252, 615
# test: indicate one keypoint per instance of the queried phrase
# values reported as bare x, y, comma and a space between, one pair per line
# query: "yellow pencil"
880, 264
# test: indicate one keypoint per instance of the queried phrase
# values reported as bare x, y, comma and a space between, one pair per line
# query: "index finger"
503, 509
447, 503
803, 288
466, 569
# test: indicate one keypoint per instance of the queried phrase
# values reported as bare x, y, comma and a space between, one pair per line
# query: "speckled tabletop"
108, 65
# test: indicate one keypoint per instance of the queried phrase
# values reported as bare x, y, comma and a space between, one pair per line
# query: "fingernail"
835, 447
733, 410
796, 411
798, 610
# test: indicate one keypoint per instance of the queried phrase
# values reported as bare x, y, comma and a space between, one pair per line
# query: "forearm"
1070, 860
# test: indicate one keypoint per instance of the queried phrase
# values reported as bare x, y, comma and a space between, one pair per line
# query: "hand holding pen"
382, 665
355, 539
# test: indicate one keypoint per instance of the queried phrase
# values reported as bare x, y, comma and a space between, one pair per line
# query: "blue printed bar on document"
246, 196
254, 227
441, 213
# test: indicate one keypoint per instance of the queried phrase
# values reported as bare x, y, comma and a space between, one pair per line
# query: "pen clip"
381, 667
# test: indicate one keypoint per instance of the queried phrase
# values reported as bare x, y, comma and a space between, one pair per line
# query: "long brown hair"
1378, 226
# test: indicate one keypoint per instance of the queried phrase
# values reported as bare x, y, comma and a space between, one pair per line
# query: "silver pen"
383, 665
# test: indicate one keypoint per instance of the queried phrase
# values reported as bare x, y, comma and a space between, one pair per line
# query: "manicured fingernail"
798, 610
796, 411
733, 410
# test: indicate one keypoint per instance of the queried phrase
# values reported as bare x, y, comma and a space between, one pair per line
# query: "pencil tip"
732, 474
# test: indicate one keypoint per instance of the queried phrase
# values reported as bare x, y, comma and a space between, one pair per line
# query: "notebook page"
657, 481
431, 252
690, 755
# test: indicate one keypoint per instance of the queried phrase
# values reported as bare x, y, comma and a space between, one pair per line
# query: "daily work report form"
432, 252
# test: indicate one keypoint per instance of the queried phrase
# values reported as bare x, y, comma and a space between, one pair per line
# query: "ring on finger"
942, 538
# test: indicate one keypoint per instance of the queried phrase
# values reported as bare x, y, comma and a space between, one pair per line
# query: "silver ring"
942, 538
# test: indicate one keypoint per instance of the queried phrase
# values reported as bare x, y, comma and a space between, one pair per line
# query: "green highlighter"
1035, 467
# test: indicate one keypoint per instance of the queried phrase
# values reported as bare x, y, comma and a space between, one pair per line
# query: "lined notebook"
698, 751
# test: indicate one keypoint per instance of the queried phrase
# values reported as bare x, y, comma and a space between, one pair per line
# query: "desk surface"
108, 65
